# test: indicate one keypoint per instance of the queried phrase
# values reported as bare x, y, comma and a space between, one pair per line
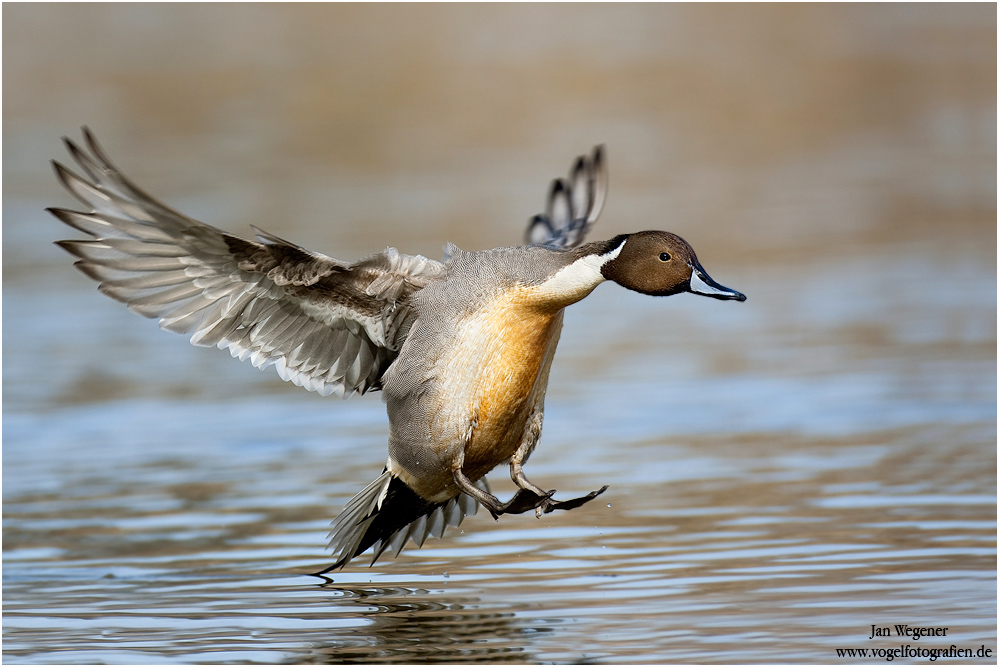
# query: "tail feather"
386, 514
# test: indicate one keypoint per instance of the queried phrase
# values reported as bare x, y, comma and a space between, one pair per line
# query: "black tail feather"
400, 508
388, 514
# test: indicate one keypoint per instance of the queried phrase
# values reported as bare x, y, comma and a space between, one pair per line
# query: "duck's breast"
510, 345
469, 377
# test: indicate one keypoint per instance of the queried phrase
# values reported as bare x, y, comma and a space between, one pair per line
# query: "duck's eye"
664, 256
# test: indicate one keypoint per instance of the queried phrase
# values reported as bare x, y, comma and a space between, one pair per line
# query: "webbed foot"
548, 505
524, 500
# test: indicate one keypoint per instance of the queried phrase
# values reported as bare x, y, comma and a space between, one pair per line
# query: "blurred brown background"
762, 130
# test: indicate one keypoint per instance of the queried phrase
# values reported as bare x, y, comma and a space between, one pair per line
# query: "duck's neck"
577, 279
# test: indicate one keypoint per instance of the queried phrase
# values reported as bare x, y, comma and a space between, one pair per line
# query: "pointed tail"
387, 513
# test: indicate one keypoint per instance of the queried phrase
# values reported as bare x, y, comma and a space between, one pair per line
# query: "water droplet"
608, 504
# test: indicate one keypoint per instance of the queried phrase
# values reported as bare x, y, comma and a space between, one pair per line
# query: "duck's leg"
545, 502
520, 479
521, 502
529, 496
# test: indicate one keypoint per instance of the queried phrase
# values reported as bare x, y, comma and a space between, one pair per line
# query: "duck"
460, 349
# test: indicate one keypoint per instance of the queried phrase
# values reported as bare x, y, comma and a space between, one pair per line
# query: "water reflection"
420, 626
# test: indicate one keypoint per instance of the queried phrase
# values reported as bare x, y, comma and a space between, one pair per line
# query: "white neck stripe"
613, 253
575, 281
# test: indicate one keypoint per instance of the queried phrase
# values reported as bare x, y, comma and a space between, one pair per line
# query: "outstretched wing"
326, 325
573, 204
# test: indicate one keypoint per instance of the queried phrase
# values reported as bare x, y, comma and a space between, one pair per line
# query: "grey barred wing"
326, 325
573, 204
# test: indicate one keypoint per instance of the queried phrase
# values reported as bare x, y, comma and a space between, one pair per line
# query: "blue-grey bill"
701, 283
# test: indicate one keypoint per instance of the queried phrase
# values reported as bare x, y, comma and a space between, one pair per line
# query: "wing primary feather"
572, 205
327, 325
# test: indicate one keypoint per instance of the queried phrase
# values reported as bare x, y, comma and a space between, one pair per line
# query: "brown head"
660, 264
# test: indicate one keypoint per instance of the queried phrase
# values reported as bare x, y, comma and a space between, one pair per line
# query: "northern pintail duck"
461, 349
